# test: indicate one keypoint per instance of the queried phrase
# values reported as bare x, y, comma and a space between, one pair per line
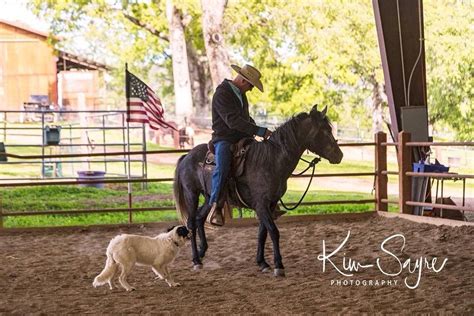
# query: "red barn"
29, 66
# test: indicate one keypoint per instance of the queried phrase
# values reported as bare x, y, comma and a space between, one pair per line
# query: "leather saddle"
239, 153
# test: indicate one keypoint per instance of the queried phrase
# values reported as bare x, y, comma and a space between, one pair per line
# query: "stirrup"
215, 216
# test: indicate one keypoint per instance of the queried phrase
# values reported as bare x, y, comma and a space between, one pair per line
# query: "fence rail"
163, 208
405, 174
381, 173
130, 210
102, 123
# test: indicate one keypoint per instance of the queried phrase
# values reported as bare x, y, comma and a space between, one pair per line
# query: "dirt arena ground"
51, 272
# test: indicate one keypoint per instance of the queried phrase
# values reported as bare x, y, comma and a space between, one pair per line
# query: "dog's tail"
179, 196
108, 273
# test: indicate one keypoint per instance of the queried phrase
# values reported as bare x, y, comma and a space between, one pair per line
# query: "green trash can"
48, 170
52, 135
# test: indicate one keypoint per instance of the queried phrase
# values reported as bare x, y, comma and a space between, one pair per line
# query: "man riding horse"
261, 180
231, 122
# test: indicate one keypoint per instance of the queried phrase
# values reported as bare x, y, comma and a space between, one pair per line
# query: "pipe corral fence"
65, 133
381, 201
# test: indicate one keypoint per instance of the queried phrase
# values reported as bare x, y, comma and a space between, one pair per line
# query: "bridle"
312, 164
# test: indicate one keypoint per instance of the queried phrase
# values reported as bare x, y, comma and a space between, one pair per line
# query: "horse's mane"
282, 139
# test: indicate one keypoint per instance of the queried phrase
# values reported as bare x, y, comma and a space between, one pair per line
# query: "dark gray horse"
268, 166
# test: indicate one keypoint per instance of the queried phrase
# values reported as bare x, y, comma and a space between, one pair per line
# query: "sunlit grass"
157, 195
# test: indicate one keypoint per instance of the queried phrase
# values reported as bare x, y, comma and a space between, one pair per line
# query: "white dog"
158, 252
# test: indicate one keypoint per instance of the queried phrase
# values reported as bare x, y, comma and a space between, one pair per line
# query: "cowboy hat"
250, 74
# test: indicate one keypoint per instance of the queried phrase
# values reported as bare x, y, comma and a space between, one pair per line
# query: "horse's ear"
324, 111
314, 111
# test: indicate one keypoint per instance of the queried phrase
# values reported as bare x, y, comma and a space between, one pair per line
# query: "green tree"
327, 52
314, 52
309, 52
450, 65
116, 32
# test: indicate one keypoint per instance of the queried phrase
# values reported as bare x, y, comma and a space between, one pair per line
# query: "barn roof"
24, 27
66, 61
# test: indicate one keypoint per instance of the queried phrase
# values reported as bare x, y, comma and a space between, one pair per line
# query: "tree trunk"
182, 82
200, 84
212, 14
377, 107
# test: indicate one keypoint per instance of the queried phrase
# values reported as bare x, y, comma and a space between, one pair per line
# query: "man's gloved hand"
268, 133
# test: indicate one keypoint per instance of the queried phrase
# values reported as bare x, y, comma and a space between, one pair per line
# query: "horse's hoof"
264, 267
279, 272
265, 270
197, 267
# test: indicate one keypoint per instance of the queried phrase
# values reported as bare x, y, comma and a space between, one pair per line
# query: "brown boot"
215, 216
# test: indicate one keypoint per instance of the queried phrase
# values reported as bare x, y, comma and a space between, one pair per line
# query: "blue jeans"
223, 159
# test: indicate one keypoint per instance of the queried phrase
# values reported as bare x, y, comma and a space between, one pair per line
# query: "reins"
310, 164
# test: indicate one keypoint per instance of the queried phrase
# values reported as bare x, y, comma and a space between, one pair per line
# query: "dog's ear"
182, 231
170, 229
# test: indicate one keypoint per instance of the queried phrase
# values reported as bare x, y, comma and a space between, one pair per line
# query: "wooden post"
5, 128
176, 139
1, 211
405, 164
380, 165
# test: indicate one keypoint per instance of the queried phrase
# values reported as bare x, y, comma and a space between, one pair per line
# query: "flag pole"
129, 186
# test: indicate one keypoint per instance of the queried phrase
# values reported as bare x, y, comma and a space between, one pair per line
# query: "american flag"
143, 105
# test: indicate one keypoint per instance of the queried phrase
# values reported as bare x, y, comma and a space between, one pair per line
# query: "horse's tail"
178, 195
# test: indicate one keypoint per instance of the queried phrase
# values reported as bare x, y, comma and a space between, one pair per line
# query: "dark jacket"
230, 120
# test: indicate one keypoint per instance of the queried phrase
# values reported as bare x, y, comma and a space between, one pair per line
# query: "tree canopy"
309, 52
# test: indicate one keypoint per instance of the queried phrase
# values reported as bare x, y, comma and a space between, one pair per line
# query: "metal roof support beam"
401, 41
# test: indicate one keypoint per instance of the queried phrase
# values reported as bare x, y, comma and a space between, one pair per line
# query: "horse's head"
317, 132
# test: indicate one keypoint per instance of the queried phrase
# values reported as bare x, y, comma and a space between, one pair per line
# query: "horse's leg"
191, 199
265, 217
200, 221
262, 237
193, 227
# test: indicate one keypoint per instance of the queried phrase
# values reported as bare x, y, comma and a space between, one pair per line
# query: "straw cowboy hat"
251, 74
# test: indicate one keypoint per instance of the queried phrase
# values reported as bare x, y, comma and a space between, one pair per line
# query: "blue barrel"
91, 175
